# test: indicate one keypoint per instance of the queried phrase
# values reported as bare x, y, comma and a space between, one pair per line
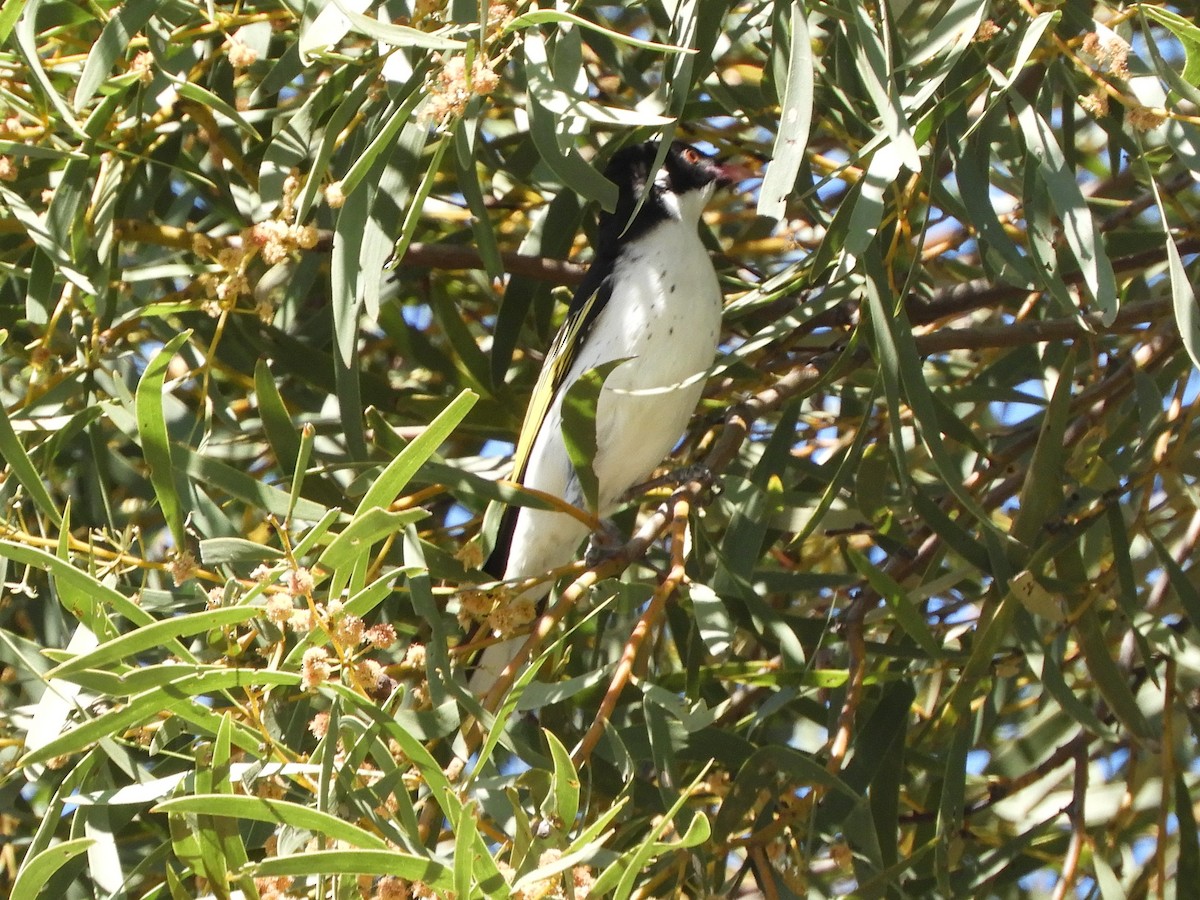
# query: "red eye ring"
691, 155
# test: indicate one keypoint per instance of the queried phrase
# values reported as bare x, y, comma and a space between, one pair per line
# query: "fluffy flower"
510, 618
1110, 52
240, 55
334, 196
987, 30
414, 657
142, 65
299, 581
451, 89
183, 566
316, 668
1143, 118
1095, 103
348, 631
319, 725
279, 609
381, 636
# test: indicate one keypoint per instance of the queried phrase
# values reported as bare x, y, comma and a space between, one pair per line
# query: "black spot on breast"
673, 288
671, 330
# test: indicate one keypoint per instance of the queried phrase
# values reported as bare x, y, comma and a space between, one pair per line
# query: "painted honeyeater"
651, 298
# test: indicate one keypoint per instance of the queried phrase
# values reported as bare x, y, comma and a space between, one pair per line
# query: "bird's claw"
603, 544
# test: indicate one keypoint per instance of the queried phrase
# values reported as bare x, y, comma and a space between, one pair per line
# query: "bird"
651, 298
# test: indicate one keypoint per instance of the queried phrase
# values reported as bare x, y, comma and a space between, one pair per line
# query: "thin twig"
645, 625
1078, 816
857, 664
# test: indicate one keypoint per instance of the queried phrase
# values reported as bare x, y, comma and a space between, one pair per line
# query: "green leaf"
1110, 680
23, 469
279, 812
795, 119
338, 17
900, 364
565, 161
46, 240
81, 584
1041, 494
218, 551
907, 614
175, 696
564, 788
544, 16
1188, 868
383, 141
862, 225
152, 429
36, 870
1029, 42
626, 869
1079, 228
434, 874
467, 144
878, 75
360, 535
387, 487
112, 44
1180, 581
579, 404
416, 205
277, 423
206, 98
1185, 31
1183, 295
128, 645
9, 14
547, 87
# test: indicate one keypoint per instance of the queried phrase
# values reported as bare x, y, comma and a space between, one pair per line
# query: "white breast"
666, 315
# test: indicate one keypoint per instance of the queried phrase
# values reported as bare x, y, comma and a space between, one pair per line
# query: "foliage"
933, 630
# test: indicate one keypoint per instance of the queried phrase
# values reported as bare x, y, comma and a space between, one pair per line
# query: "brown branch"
451, 257
1002, 790
645, 624
1018, 334
457, 257
857, 646
962, 298
1077, 813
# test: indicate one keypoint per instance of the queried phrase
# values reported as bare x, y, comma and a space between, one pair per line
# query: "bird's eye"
691, 156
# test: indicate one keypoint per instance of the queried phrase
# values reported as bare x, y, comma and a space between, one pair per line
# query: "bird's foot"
603, 544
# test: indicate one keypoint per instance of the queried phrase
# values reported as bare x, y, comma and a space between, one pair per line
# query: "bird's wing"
589, 300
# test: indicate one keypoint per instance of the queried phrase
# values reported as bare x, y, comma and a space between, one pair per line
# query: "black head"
681, 187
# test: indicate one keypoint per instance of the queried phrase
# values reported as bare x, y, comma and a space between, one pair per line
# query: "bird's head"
681, 186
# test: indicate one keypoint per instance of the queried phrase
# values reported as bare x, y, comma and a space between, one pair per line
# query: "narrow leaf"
543, 16
152, 429
280, 812
579, 405
399, 471
127, 646
36, 871
795, 119
23, 469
